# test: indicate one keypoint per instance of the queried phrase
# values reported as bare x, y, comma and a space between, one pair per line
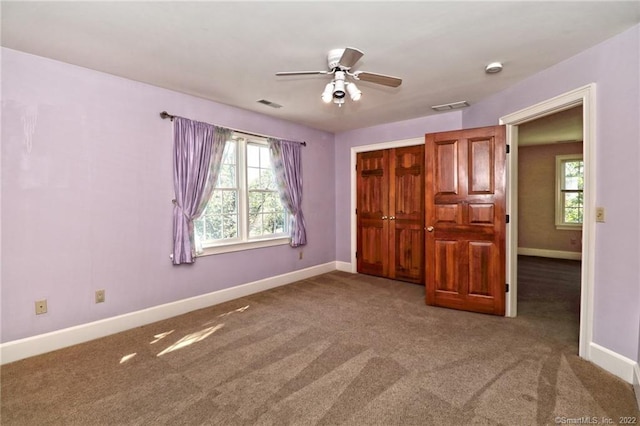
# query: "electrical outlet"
99, 296
41, 307
599, 214
300, 255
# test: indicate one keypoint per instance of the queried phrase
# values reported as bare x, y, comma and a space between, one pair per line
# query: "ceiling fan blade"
373, 77
285, 73
350, 56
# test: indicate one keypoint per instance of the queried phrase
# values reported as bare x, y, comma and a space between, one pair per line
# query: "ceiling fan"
340, 62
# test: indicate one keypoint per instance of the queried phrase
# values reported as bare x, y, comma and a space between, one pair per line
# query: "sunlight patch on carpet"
127, 357
161, 336
192, 338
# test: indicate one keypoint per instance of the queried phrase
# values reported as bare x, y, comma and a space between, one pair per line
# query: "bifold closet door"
390, 213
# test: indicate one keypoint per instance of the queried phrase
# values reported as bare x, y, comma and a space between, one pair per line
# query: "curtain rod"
165, 114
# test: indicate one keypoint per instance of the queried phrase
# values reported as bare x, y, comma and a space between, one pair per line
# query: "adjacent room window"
245, 210
569, 191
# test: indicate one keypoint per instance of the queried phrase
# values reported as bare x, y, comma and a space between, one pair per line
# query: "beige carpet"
334, 349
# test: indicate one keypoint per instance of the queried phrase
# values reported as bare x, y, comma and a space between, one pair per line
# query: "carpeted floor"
334, 349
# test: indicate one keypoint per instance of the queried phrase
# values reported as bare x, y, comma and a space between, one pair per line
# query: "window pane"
215, 203
253, 178
253, 155
213, 228
267, 179
573, 207
273, 223
229, 156
256, 201
272, 202
227, 176
265, 158
230, 226
573, 175
255, 226
229, 202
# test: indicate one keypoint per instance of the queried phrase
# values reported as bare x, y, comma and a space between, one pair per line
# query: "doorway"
585, 97
550, 154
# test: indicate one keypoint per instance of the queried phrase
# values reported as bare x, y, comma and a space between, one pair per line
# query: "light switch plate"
599, 214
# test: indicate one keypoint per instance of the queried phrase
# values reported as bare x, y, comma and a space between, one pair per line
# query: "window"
245, 210
569, 191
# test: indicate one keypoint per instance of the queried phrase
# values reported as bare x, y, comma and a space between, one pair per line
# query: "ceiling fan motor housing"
333, 58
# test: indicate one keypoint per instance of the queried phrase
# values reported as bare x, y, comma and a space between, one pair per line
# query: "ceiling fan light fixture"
354, 92
327, 95
339, 86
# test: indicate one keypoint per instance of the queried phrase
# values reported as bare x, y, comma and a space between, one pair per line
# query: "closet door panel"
372, 212
406, 213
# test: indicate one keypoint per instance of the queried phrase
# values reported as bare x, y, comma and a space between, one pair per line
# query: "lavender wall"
86, 197
407, 129
614, 67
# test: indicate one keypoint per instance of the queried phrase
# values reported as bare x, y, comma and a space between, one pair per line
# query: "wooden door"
406, 213
465, 218
372, 212
390, 212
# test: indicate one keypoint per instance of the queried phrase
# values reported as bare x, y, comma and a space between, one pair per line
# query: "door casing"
584, 96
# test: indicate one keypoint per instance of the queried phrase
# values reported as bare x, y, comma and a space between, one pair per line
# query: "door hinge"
507, 218
356, 255
506, 288
356, 211
508, 149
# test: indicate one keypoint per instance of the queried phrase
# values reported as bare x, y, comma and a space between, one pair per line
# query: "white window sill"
568, 227
228, 248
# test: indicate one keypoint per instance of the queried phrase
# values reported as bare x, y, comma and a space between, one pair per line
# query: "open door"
465, 219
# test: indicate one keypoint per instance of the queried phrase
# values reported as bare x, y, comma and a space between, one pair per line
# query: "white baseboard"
613, 362
36, 345
636, 382
555, 254
344, 266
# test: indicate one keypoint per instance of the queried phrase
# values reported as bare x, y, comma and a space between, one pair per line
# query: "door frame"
354, 186
585, 96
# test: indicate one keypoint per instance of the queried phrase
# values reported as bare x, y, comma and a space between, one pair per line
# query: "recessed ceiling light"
493, 68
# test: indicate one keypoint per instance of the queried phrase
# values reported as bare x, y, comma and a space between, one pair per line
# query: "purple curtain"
287, 164
197, 149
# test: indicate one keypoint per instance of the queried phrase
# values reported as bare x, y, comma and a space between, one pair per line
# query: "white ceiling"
228, 52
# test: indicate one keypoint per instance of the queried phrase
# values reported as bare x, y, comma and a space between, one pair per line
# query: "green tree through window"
245, 205
570, 188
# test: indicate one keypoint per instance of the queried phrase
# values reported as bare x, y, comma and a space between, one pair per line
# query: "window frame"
243, 241
560, 192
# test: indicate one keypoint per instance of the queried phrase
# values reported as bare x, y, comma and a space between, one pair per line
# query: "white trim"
613, 362
554, 254
585, 96
354, 182
511, 236
636, 382
245, 245
344, 266
36, 345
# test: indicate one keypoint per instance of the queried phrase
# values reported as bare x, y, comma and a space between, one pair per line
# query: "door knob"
392, 218
384, 218
430, 228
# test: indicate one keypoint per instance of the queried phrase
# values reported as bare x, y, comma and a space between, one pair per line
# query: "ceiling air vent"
269, 103
448, 107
